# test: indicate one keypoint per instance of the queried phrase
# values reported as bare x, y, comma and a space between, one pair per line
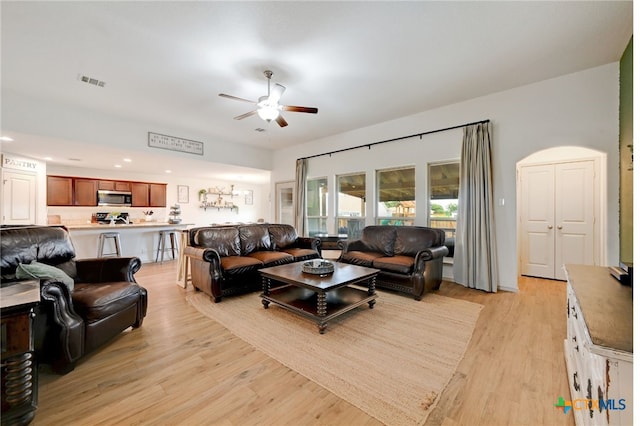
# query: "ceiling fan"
268, 107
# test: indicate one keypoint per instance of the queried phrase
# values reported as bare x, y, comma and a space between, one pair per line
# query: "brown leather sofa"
225, 259
409, 257
105, 299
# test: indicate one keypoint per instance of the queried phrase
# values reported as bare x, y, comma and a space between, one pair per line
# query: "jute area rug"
392, 362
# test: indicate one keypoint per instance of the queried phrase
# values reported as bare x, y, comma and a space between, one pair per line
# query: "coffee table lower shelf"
304, 302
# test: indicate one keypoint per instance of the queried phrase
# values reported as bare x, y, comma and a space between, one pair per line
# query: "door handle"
549, 226
559, 226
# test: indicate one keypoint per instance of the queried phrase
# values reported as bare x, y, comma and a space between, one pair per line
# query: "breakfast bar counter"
106, 227
137, 239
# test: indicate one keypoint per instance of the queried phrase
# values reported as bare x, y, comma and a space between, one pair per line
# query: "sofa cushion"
398, 264
362, 258
238, 265
379, 239
283, 236
97, 301
301, 253
254, 238
411, 240
272, 258
37, 270
224, 240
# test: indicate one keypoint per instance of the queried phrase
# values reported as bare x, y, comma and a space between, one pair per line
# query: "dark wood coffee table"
318, 298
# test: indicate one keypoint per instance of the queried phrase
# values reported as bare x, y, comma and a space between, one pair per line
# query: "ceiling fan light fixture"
268, 113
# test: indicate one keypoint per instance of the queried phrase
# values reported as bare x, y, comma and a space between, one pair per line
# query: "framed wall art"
183, 194
248, 197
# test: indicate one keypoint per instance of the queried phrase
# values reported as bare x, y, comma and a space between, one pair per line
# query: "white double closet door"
557, 217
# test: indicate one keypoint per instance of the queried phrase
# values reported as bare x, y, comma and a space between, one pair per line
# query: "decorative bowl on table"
317, 267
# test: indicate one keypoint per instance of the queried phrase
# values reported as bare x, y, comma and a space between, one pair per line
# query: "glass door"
285, 197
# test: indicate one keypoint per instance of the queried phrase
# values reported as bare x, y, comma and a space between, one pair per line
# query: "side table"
19, 368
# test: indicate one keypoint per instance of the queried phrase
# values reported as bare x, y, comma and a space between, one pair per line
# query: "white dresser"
599, 346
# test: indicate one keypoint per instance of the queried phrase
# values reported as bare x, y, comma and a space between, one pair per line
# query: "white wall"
191, 212
579, 109
60, 121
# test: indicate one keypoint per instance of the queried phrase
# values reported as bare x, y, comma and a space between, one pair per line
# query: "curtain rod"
369, 145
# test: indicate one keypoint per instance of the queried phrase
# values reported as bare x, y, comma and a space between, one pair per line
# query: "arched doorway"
561, 210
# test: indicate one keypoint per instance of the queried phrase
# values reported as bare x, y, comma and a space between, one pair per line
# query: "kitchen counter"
137, 239
97, 226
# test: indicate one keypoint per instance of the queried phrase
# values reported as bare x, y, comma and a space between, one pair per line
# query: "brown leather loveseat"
409, 257
225, 259
91, 302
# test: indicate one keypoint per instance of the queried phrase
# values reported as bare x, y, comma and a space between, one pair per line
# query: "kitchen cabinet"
157, 195
59, 191
114, 185
85, 192
139, 194
148, 194
76, 191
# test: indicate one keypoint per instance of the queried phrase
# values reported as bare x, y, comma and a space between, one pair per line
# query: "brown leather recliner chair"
105, 299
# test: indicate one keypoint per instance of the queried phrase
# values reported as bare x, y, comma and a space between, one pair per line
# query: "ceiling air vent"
91, 80
260, 130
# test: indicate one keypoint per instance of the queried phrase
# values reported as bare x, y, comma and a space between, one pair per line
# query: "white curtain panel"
475, 259
301, 196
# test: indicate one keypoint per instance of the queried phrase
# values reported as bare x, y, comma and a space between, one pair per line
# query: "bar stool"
115, 236
171, 233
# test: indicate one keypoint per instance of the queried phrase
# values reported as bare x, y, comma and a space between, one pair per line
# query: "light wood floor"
181, 368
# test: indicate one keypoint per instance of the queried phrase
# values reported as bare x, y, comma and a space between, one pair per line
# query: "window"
444, 182
317, 197
351, 204
396, 196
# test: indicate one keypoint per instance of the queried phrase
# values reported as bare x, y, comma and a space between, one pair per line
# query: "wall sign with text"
173, 143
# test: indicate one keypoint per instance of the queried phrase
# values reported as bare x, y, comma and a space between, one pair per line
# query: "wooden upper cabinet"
114, 185
85, 192
59, 191
157, 195
123, 186
73, 191
108, 185
139, 194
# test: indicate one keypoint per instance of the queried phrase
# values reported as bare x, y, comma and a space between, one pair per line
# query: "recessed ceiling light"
6, 139
75, 159
126, 160
48, 158
117, 166
167, 171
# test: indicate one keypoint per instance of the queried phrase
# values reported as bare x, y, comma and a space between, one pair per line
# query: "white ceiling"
359, 63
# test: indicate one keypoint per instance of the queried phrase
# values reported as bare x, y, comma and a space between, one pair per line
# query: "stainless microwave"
114, 198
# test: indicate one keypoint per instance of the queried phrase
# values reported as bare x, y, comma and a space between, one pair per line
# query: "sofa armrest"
312, 243
201, 254
59, 331
351, 245
105, 269
431, 254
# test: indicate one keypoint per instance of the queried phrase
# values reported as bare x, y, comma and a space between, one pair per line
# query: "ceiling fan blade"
300, 109
276, 92
248, 114
235, 98
281, 121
